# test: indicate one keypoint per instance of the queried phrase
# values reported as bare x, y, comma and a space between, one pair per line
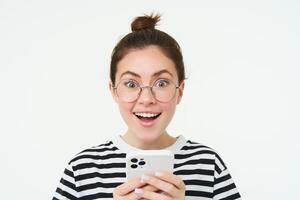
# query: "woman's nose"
146, 96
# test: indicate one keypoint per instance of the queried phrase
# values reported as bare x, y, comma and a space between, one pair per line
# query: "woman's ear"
180, 91
112, 91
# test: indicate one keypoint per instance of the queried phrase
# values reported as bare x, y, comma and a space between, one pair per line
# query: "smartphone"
148, 162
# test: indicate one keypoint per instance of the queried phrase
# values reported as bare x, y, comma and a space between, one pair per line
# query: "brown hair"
143, 35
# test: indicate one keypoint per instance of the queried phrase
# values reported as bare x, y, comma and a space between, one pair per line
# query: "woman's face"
146, 67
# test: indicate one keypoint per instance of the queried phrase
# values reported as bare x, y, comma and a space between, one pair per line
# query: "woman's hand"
171, 187
126, 190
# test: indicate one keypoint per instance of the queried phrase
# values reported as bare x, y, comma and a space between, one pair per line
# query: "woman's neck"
164, 141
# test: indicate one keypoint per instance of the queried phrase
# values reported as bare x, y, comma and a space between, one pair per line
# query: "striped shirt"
95, 172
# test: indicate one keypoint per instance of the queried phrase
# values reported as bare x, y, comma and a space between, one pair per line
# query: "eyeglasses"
163, 90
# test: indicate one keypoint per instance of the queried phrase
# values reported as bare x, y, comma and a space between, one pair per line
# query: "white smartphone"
148, 162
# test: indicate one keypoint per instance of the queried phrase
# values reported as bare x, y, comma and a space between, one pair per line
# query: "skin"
146, 66
164, 186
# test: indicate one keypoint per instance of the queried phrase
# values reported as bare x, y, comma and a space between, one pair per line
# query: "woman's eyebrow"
162, 72
130, 73
153, 75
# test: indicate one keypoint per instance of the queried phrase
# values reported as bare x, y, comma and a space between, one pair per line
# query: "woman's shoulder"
103, 151
193, 150
191, 145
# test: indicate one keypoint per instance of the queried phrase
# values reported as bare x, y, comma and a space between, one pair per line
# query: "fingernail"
138, 191
158, 174
144, 178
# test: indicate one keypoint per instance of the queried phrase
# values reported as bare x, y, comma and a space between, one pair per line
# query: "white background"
241, 97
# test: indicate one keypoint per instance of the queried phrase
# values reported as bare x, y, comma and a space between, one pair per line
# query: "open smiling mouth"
147, 116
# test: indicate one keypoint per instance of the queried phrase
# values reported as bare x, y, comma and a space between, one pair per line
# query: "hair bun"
145, 22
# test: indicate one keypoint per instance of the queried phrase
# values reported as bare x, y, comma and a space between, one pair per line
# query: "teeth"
146, 114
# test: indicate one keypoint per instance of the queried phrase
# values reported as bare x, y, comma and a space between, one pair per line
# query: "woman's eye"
131, 84
162, 83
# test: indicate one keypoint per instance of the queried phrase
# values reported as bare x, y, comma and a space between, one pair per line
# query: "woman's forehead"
147, 62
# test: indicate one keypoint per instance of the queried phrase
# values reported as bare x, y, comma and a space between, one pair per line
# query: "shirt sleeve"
224, 187
66, 189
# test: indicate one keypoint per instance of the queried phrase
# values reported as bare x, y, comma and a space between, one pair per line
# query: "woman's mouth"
146, 119
147, 115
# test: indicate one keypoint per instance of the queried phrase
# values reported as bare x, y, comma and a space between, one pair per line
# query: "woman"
147, 82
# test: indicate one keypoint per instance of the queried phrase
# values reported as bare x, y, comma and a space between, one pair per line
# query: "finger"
150, 188
151, 195
128, 186
162, 185
131, 196
170, 178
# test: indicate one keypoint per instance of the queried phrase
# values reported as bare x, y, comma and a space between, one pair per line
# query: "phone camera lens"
142, 163
134, 160
134, 166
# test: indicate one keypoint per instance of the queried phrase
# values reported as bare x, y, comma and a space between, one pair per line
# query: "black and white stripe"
95, 172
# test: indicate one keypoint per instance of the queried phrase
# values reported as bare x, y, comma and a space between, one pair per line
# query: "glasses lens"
164, 90
128, 90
